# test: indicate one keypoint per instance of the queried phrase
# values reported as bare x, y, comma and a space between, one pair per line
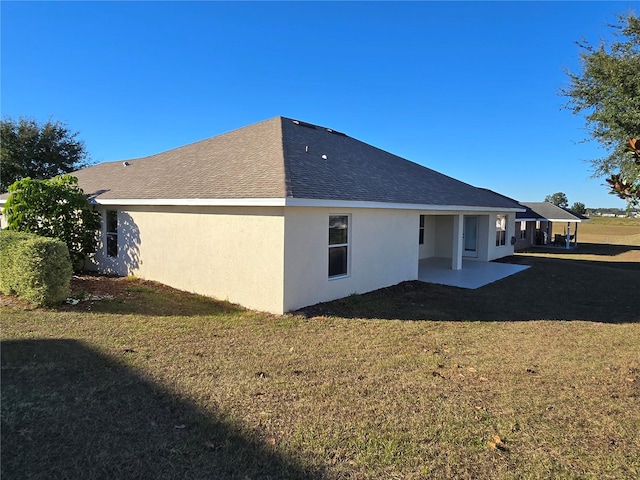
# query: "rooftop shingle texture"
244, 163
282, 158
548, 211
354, 170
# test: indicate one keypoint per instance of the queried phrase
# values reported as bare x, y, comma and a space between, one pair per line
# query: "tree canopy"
607, 93
38, 151
56, 208
579, 208
558, 198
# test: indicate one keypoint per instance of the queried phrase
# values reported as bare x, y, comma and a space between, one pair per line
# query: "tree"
579, 208
606, 92
558, 198
56, 208
38, 151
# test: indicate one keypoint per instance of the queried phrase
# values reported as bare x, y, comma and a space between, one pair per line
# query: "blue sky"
470, 89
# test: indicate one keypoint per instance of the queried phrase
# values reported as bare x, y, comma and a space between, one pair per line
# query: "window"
501, 230
112, 233
338, 245
523, 229
421, 236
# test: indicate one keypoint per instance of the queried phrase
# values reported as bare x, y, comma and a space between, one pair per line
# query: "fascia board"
303, 202
194, 202
543, 219
296, 202
572, 220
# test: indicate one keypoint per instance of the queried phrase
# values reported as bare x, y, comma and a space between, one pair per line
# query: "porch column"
568, 235
458, 243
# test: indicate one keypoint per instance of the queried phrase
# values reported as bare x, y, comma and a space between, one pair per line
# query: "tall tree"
558, 198
579, 208
56, 208
606, 92
38, 151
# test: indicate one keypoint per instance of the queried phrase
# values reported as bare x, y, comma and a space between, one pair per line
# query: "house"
284, 214
535, 226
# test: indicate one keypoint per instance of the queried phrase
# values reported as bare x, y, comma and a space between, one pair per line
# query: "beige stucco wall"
503, 250
383, 251
234, 254
443, 240
486, 233
276, 258
427, 249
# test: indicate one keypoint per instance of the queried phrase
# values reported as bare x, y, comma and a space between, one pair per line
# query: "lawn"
534, 376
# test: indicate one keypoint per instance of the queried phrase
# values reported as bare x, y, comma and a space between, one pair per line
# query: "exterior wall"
494, 251
486, 232
383, 251
443, 238
276, 258
443, 244
530, 235
234, 254
428, 248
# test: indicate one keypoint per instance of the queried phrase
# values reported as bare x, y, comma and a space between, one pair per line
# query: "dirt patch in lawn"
92, 292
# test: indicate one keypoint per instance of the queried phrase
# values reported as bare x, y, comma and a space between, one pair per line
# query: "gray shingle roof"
546, 211
244, 163
282, 158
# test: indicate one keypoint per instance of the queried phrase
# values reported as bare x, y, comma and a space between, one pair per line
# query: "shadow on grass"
71, 412
552, 289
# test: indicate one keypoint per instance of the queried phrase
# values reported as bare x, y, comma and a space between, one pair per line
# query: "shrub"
36, 269
55, 208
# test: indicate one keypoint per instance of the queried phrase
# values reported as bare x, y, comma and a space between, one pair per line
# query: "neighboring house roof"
280, 159
548, 212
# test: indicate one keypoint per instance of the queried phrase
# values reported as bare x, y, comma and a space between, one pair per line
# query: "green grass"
408, 382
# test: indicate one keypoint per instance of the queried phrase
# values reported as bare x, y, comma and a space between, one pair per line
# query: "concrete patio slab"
474, 274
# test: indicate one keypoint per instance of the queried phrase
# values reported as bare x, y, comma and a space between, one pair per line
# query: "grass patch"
606, 231
156, 383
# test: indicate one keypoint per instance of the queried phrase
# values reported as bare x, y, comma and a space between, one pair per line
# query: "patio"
474, 274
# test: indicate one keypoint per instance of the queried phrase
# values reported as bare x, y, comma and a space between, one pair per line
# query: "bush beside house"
36, 269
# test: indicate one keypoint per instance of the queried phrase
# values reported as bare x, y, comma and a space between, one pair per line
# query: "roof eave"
296, 202
544, 219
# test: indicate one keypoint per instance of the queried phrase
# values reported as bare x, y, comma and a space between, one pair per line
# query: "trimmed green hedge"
36, 269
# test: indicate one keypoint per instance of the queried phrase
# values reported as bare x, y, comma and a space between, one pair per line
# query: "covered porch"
569, 238
535, 227
473, 274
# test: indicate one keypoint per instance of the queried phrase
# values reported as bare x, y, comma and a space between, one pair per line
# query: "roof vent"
336, 133
125, 164
304, 124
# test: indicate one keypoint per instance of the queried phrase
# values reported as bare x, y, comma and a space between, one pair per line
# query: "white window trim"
348, 245
108, 233
501, 229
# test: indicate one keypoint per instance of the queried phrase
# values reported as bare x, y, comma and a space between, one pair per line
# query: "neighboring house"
535, 226
283, 214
